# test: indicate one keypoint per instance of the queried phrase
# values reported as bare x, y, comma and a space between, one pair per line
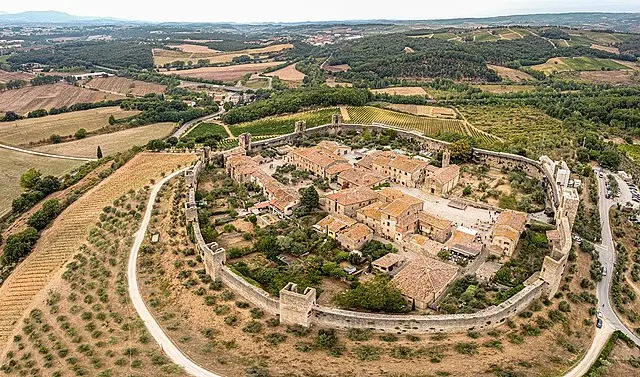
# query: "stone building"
437, 228
347, 202
506, 232
354, 178
355, 236
423, 280
320, 161
440, 181
388, 263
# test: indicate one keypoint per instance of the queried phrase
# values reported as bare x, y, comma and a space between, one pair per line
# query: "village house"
347, 202
388, 263
355, 236
437, 228
423, 280
463, 243
399, 218
399, 168
318, 160
370, 216
487, 271
333, 224
440, 181
506, 232
423, 245
354, 178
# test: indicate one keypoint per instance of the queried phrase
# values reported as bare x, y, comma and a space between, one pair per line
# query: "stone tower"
336, 119
569, 202
295, 308
301, 126
553, 265
446, 158
244, 140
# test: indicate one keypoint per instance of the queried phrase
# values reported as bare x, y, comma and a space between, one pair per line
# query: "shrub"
253, 327
389, 338
326, 339
401, 352
367, 353
275, 338
466, 348
298, 330
359, 335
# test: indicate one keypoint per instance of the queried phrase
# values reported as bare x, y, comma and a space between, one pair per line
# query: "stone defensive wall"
300, 308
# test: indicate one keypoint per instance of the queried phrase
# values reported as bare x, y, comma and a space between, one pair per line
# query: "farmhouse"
347, 202
423, 280
506, 232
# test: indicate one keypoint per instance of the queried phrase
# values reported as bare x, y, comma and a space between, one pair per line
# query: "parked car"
604, 271
599, 323
599, 315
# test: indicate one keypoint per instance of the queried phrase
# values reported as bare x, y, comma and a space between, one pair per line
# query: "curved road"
187, 126
41, 154
169, 348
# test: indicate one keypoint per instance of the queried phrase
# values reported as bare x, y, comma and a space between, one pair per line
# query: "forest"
113, 54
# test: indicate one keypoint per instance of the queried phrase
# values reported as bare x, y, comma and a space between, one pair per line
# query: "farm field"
429, 126
227, 74
14, 164
336, 68
289, 74
510, 73
521, 127
280, 125
492, 88
613, 50
115, 142
423, 110
6, 76
124, 86
206, 129
162, 57
185, 47
554, 65
401, 91
48, 96
26, 131
70, 230
621, 77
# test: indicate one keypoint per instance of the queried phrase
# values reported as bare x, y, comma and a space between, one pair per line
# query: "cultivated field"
279, 125
613, 50
6, 76
228, 74
289, 74
48, 96
27, 284
554, 65
510, 73
110, 143
206, 129
331, 82
521, 127
422, 110
429, 126
491, 88
162, 57
124, 86
621, 77
336, 68
401, 91
194, 48
14, 164
26, 131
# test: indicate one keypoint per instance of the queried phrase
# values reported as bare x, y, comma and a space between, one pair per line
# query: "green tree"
467, 190
80, 134
99, 152
609, 159
461, 150
112, 120
55, 139
309, 197
374, 295
30, 179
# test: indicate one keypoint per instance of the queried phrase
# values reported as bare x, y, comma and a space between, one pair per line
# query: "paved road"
607, 258
35, 153
169, 348
187, 126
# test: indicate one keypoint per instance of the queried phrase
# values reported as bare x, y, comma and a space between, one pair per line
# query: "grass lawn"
110, 143
13, 164
206, 129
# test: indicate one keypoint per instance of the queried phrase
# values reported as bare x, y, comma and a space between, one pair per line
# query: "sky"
305, 10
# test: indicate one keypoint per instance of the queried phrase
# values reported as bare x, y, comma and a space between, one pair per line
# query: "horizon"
285, 11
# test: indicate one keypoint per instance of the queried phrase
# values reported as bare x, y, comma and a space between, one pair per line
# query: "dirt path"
15, 149
345, 114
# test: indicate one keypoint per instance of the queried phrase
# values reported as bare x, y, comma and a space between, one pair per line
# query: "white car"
599, 315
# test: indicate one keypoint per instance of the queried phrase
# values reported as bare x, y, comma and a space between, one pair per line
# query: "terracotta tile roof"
554, 235
338, 167
488, 269
372, 211
396, 207
365, 162
445, 175
434, 221
335, 223
460, 238
506, 232
426, 244
387, 260
353, 195
360, 178
331, 146
512, 219
357, 232
318, 156
390, 194
407, 164
423, 277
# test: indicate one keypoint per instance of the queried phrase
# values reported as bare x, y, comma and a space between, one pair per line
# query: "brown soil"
619, 359
124, 86
289, 74
48, 96
6, 76
227, 74
336, 68
402, 91
511, 74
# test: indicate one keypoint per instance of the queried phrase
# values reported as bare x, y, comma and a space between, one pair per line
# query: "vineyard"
432, 127
203, 130
69, 231
284, 124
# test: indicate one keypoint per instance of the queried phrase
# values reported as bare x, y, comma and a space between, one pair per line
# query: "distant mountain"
49, 17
